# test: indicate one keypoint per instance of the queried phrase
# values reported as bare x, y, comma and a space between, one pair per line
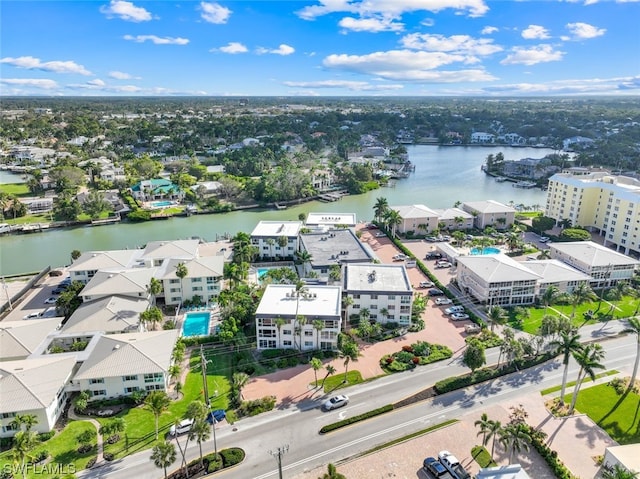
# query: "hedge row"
550, 456
354, 419
226, 458
486, 374
482, 456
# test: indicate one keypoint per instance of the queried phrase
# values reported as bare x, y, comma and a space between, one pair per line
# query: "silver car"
335, 402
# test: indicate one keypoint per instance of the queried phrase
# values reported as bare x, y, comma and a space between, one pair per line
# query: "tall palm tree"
181, 272
330, 370
158, 403
496, 315
200, 432
239, 381
380, 208
154, 289
301, 322
23, 443
549, 296
567, 344
393, 219
26, 420
304, 258
349, 352
279, 322
634, 327
483, 423
316, 365
318, 325
588, 358
163, 455
515, 438
580, 295
493, 432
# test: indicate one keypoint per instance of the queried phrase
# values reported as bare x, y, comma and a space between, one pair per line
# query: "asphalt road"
297, 426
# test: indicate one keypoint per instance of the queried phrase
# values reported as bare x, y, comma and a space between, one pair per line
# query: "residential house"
496, 280
276, 240
605, 266
157, 189
34, 386
417, 218
602, 203
482, 137
334, 247
305, 319
490, 213
204, 279
384, 290
581, 141
121, 364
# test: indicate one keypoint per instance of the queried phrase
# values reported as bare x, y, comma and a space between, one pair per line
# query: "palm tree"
634, 327
346, 302
349, 352
174, 371
393, 219
330, 370
493, 431
163, 455
304, 258
158, 403
23, 443
580, 295
483, 423
239, 381
332, 473
544, 254
567, 344
316, 364
26, 420
154, 288
181, 272
279, 322
200, 432
549, 296
619, 472
318, 325
588, 358
301, 322
515, 438
380, 208
496, 315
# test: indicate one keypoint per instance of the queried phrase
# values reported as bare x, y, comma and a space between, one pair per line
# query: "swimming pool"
161, 204
482, 251
261, 272
196, 324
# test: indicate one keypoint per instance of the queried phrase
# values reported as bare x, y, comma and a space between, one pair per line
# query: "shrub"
618, 384
257, 406
108, 456
45, 436
232, 456
91, 462
354, 419
40, 456
214, 462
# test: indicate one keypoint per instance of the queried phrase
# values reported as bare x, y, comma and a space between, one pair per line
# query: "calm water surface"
443, 176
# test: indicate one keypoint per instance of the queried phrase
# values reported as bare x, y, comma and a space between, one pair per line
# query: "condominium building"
600, 202
276, 240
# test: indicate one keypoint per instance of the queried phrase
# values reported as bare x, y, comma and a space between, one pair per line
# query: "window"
197, 288
356, 296
153, 378
130, 390
196, 280
392, 297
286, 343
174, 281
154, 387
308, 334
267, 344
100, 392
374, 296
308, 344
96, 381
211, 279
286, 332
266, 333
129, 378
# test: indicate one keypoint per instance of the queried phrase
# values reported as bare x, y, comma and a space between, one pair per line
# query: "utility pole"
277, 454
205, 389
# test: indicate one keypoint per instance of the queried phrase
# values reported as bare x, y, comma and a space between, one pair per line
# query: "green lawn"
570, 384
140, 423
336, 381
62, 449
17, 189
618, 415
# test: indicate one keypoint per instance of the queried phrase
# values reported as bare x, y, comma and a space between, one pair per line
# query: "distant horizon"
320, 48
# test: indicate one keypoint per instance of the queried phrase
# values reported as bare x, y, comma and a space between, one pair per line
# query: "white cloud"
584, 30
41, 83
214, 13
56, 66
126, 11
157, 40
346, 84
232, 48
428, 22
533, 55
460, 44
603, 86
283, 50
373, 25
122, 76
407, 65
535, 32
489, 30
393, 8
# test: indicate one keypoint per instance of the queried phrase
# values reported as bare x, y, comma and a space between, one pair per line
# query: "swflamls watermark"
39, 469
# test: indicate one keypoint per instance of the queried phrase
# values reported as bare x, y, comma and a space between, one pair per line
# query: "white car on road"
335, 402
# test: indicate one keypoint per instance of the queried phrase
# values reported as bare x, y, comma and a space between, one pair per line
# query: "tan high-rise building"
600, 202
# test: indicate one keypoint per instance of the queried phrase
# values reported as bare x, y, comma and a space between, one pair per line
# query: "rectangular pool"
196, 324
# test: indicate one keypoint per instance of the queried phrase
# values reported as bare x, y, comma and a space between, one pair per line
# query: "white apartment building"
204, 279
383, 289
497, 280
490, 213
417, 218
605, 266
305, 319
276, 240
600, 202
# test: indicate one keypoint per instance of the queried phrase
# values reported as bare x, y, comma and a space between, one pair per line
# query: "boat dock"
333, 196
106, 221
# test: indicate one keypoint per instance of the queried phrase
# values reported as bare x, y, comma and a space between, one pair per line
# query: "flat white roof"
279, 300
628, 455
383, 278
592, 253
512, 471
317, 219
277, 228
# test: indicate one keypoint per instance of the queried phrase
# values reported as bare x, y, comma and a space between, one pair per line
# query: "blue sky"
320, 48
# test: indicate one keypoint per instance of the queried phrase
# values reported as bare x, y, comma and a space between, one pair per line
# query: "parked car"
451, 463
454, 309
543, 239
372, 226
433, 255
472, 328
380, 234
437, 470
443, 264
459, 316
217, 416
431, 239
37, 314
51, 300
426, 284
335, 402
442, 301
400, 257
435, 292
184, 426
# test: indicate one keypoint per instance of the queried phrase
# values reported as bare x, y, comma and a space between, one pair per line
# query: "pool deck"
214, 320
